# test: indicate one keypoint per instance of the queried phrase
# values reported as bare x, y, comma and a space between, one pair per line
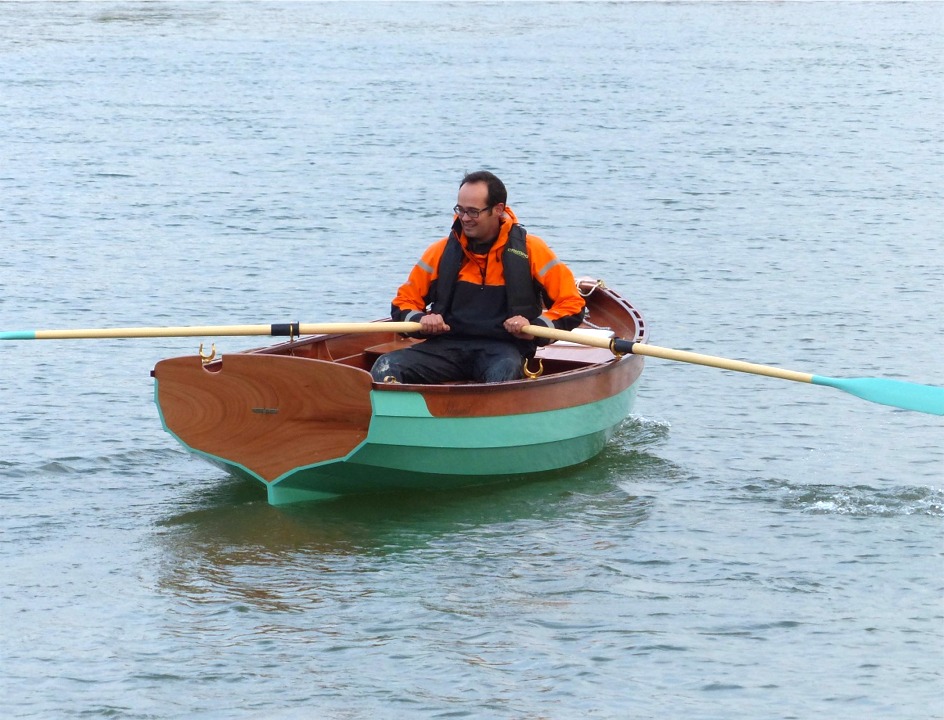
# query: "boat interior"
361, 352
609, 316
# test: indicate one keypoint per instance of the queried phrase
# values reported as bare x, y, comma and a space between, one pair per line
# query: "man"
474, 290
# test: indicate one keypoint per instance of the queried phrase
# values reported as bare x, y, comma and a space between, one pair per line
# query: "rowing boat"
306, 420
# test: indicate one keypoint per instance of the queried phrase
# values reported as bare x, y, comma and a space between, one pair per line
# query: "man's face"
474, 196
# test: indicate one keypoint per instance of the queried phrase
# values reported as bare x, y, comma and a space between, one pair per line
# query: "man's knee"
503, 369
385, 370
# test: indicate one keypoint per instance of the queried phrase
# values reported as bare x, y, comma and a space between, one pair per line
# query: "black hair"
496, 188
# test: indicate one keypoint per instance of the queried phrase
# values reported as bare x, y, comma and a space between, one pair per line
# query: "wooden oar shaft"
625, 346
151, 332
574, 337
330, 328
719, 362
277, 330
896, 393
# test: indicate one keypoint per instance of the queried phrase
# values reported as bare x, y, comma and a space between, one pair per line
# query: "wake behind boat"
306, 420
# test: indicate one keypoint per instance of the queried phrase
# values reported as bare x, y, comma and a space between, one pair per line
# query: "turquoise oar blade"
18, 335
897, 393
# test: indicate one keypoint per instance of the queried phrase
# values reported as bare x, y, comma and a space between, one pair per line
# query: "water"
762, 180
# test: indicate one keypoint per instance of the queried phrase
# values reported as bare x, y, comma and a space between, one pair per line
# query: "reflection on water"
236, 510
220, 548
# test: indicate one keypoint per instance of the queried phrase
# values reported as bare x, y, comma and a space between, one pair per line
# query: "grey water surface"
763, 180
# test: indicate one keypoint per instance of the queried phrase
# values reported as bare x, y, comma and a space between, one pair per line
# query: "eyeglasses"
471, 212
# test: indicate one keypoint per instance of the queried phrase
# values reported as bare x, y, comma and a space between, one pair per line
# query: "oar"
897, 393
277, 330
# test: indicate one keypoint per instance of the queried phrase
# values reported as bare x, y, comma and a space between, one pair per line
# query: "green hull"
407, 448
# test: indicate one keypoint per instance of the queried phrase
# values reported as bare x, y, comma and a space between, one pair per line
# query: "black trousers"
440, 359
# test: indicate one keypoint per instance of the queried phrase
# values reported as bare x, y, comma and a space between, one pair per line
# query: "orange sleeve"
556, 279
413, 295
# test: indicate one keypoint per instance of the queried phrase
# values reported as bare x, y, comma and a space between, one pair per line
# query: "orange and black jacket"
475, 294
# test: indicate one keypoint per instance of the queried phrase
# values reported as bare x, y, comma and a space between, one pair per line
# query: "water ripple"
856, 501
